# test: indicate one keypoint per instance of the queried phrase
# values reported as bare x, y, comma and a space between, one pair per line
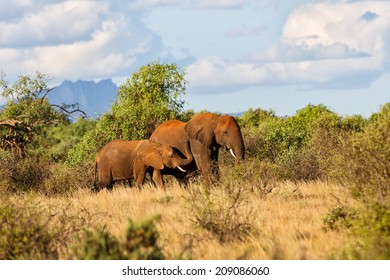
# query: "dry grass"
288, 222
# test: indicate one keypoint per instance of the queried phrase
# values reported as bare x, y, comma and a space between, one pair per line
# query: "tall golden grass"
287, 223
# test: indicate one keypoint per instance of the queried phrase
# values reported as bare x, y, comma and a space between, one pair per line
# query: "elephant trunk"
188, 155
237, 149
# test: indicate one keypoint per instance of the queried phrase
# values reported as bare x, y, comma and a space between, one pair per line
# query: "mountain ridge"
94, 98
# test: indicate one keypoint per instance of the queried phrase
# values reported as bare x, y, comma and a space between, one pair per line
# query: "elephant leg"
202, 159
214, 163
105, 181
139, 174
139, 180
157, 178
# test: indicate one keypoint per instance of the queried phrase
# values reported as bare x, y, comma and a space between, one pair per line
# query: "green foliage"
56, 141
369, 226
24, 234
140, 244
339, 218
150, 97
26, 113
297, 130
304, 146
354, 123
366, 165
255, 117
372, 231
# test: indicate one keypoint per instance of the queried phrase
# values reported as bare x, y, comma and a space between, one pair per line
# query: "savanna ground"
286, 224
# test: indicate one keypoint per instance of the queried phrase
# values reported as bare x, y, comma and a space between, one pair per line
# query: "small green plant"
339, 218
140, 244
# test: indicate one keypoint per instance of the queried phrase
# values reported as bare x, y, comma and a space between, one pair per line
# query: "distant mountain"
93, 98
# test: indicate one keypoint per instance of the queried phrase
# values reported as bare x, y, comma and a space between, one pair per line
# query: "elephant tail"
95, 171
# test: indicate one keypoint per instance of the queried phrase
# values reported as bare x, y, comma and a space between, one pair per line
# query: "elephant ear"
201, 127
150, 156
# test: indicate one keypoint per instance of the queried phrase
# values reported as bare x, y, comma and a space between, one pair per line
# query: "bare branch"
77, 110
46, 93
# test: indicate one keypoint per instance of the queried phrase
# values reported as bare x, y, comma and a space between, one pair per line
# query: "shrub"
24, 233
34, 174
140, 244
370, 227
366, 165
258, 176
372, 231
255, 117
339, 218
298, 145
221, 211
58, 140
22, 174
65, 180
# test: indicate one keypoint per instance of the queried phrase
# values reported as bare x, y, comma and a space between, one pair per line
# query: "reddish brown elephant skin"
124, 160
200, 139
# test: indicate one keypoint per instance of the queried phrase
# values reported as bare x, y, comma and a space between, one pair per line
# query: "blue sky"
237, 54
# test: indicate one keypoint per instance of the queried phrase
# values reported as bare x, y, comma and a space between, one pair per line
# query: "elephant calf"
124, 160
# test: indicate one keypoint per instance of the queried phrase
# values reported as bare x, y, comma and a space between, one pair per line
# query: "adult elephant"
173, 133
201, 138
124, 160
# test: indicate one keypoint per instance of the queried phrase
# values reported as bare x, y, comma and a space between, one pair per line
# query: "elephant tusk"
181, 169
231, 151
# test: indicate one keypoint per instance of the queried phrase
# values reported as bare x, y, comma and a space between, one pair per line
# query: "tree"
27, 112
151, 96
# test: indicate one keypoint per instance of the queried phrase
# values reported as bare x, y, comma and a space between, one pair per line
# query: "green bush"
24, 233
284, 141
56, 141
255, 117
370, 227
372, 231
339, 218
140, 244
366, 164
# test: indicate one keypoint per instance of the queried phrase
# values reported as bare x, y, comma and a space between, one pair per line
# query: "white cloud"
76, 40
319, 47
216, 4
54, 24
319, 24
145, 4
